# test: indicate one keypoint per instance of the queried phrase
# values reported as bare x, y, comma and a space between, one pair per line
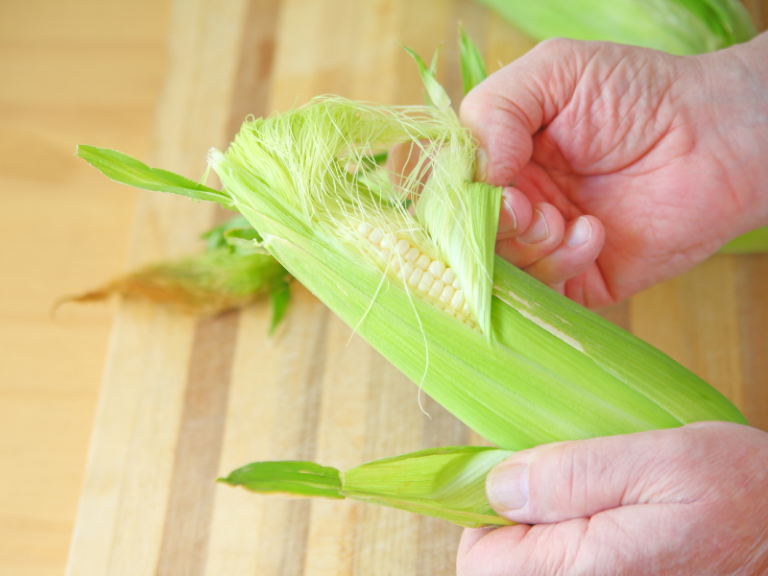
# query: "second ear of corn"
675, 26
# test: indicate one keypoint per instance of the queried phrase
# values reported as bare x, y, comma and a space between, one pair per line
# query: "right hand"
629, 165
688, 500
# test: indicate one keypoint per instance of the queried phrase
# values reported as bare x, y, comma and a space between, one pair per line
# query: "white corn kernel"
402, 247
375, 236
406, 271
437, 268
423, 262
415, 277
447, 294
458, 300
426, 282
456, 284
465, 309
386, 256
448, 276
394, 266
437, 289
364, 228
389, 240
412, 255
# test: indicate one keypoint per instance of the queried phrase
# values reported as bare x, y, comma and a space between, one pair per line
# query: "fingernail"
537, 231
511, 214
481, 165
507, 486
579, 232
508, 218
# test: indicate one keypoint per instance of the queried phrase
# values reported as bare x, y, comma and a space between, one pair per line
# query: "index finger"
511, 105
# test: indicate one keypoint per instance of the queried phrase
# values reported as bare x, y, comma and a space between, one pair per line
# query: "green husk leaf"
472, 64
463, 221
298, 479
280, 297
675, 26
445, 483
436, 94
754, 242
245, 241
215, 237
127, 170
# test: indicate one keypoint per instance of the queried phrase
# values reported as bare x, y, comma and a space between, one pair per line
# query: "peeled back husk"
446, 483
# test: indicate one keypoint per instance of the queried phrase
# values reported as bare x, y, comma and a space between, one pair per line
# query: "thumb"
567, 480
506, 109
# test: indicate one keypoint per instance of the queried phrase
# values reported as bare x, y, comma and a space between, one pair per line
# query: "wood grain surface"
70, 72
183, 400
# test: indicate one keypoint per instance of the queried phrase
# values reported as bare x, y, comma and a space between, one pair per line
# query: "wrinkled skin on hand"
663, 156
686, 501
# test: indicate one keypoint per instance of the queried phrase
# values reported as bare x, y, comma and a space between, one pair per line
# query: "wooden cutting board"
184, 401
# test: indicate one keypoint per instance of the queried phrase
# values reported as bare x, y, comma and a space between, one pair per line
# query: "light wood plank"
203, 38
81, 71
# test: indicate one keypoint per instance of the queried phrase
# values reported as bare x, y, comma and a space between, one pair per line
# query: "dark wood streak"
752, 278
187, 525
254, 73
758, 9
185, 536
751, 282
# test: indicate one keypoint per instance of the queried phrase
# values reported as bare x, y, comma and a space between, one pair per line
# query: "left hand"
690, 500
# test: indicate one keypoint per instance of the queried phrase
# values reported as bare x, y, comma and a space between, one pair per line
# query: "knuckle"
555, 45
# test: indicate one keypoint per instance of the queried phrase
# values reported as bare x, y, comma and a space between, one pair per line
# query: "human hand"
656, 160
690, 500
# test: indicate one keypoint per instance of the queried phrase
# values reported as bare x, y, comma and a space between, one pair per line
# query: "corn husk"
446, 483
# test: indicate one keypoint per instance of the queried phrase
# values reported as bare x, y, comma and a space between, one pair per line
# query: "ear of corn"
551, 371
514, 360
674, 26
546, 370
446, 483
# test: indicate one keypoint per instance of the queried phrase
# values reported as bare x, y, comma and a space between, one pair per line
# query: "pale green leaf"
472, 64
127, 170
445, 483
280, 297
437, 96
299, 479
